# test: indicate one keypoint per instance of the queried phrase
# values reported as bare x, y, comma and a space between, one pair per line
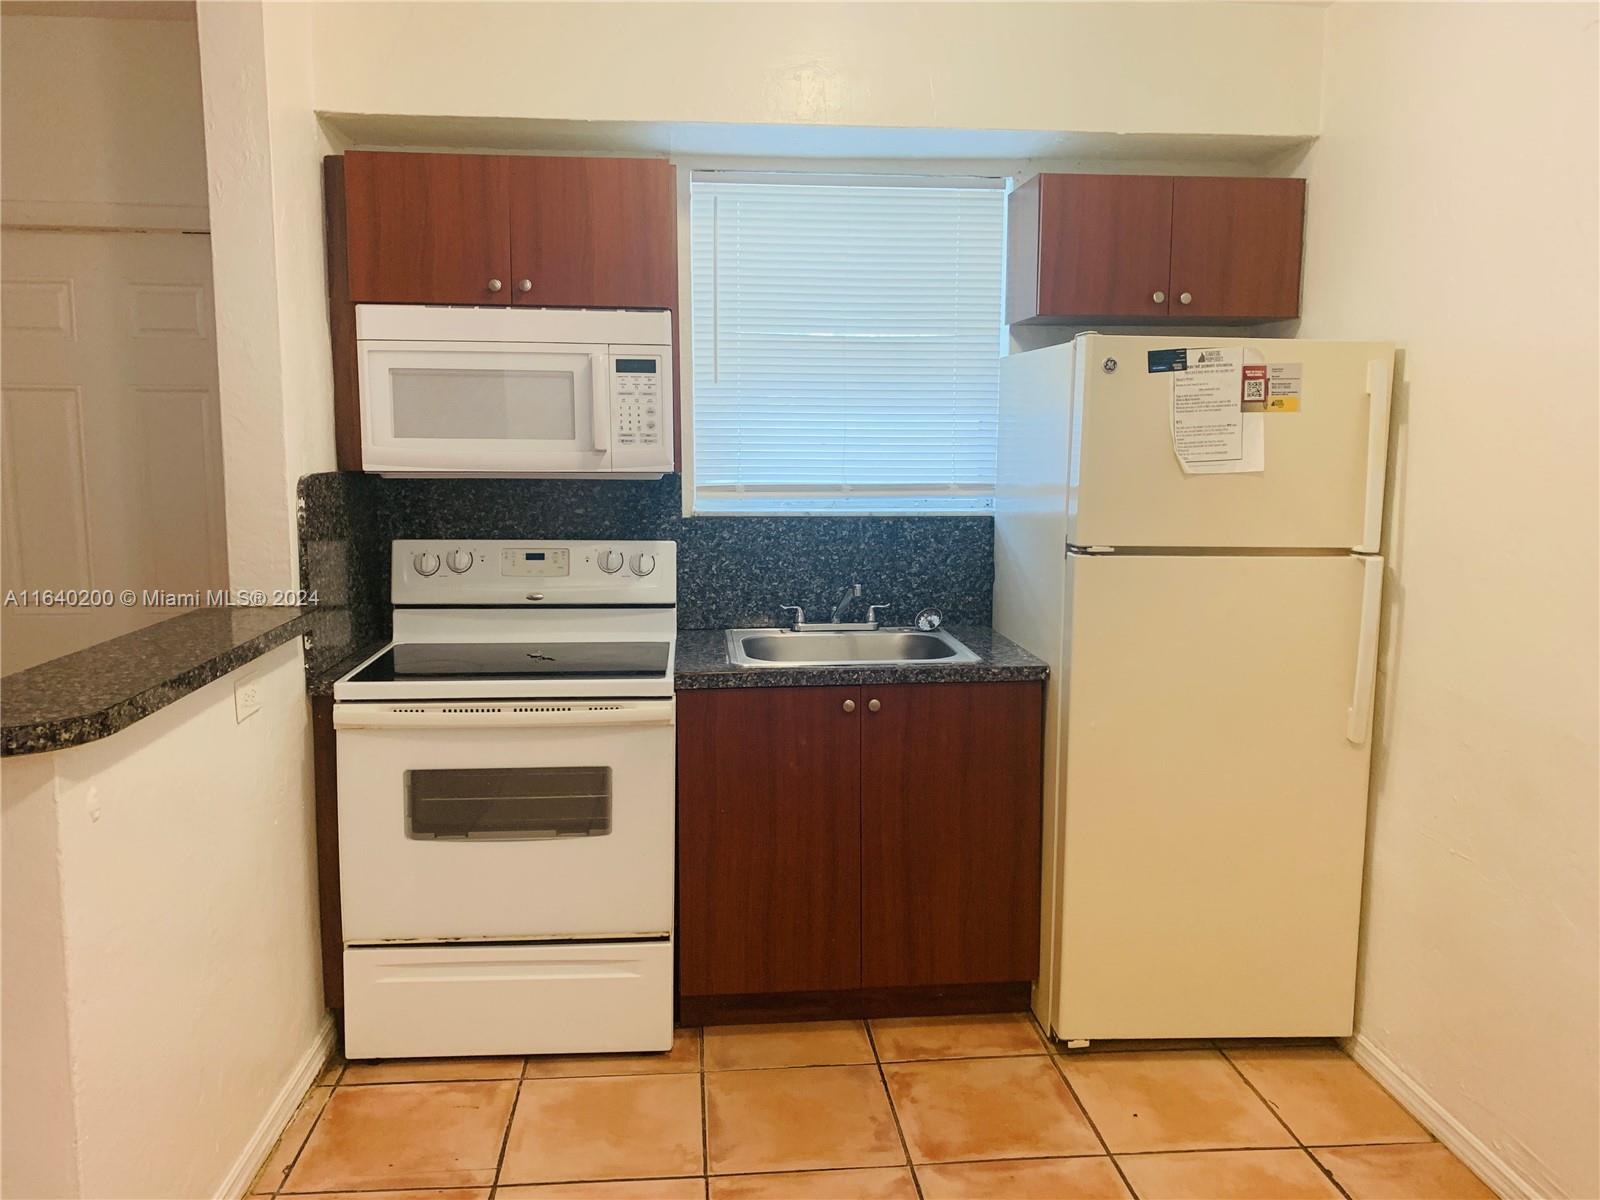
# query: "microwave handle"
600, 407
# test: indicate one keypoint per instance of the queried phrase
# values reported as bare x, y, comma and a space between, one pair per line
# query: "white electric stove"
506, 775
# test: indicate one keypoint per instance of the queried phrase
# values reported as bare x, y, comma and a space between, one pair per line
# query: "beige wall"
100, 123
162, 884
1453, 207
272, 317
1165, 68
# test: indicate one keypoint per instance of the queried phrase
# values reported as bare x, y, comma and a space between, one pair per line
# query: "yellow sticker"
1283, 404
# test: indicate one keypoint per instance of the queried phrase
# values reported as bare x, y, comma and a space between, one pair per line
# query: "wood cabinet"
1152, 247
950, 815
490, 229
593, 233
769, 840
428, 228
851, 839
502, 229
1236, 247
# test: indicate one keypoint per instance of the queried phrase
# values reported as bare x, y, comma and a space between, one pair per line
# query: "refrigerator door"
1214, 798
1322, 486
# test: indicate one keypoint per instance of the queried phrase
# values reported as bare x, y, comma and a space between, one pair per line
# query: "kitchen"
762, 511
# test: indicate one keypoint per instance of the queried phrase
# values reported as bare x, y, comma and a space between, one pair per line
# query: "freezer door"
1322, 486
1214, 797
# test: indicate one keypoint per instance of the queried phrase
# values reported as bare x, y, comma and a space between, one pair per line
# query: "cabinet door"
428, 228
951, 810
1236, 247
1103, 246
769, 840
594, 232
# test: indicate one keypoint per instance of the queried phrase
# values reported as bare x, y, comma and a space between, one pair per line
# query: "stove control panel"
441, 573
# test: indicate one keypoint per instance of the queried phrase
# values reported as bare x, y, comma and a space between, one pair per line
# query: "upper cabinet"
594, 233
428, 228
1153, 247
501, 229
1236, 247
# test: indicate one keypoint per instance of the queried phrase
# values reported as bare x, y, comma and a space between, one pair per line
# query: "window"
846, 341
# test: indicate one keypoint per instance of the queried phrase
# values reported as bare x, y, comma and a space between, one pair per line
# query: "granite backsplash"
732, 571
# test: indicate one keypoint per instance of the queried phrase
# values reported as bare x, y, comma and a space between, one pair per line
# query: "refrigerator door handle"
1380, 378
1358, 725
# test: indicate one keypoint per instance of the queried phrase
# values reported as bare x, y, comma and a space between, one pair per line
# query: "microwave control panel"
640, 398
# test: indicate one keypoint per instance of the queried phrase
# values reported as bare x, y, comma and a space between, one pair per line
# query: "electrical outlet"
246, 699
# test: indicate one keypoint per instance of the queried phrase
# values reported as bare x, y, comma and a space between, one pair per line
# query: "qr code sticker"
1255, 389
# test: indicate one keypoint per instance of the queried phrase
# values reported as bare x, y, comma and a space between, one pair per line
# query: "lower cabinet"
845, 838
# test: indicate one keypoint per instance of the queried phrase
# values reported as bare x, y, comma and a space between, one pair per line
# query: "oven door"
469, 407
514, 820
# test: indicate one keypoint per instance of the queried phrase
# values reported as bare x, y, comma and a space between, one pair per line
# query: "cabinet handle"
1184, 297
849, 706
873, 706
495, 285
524, 285
1159, 297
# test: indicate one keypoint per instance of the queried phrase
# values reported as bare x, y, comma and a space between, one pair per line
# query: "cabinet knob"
1159, 297
524, 285
873, 706
495, 285
849, 706
1184, 297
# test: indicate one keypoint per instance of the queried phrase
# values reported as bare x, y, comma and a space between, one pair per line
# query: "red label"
1255, 385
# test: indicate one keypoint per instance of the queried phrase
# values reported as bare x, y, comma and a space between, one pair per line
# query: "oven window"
509, 803
510, 405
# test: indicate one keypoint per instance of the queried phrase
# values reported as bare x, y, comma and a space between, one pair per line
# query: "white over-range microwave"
511, 391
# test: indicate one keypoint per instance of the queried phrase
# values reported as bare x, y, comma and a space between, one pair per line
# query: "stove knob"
460, 560
643, 564
426, 563
610, 561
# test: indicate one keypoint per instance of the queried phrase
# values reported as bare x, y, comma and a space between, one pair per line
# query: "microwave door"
486, 407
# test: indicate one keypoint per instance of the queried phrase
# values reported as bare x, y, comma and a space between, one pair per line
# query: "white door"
1214, 794
1322, 486
506, 820
112, 455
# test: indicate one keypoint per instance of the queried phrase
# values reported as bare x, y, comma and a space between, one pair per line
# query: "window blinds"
846, 339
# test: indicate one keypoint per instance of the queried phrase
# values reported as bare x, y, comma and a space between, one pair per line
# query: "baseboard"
1507, 1182
854, 1004
243, 1172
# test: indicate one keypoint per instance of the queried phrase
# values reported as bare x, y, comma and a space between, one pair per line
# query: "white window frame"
909, 173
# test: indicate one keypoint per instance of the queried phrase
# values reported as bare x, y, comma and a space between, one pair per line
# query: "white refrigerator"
1212, 639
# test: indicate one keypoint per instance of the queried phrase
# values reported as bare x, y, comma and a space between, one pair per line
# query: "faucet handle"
873, 610
799, 613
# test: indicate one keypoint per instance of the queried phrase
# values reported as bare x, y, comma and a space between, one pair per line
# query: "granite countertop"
703, 663
93, 693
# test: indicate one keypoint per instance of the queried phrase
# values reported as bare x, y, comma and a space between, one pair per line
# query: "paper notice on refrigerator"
1208, 420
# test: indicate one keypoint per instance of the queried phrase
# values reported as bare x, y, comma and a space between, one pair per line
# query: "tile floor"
945, 1108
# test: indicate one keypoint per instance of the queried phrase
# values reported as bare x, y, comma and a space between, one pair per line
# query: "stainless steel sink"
874, 647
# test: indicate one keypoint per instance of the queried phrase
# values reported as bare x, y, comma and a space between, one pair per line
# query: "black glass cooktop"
516, 660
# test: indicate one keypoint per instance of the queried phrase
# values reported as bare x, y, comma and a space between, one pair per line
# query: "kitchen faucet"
801, 625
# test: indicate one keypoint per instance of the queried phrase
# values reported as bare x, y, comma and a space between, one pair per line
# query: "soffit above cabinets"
830, 142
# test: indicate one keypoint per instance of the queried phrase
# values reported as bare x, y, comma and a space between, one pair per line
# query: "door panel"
1104, 244
1236, 247
769, 840
428, 228
950, 833
112, 444
594, 232
1131, 491
1214, 810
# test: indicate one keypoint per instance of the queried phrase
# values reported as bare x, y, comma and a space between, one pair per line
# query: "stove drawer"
441, 1001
